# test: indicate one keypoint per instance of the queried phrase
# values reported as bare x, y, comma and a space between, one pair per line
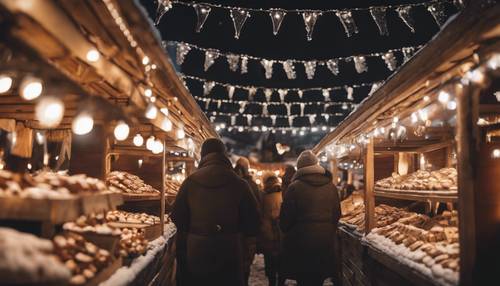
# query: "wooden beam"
369, 161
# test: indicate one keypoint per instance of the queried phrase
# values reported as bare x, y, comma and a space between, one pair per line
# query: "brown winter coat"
309, 217
270, 235
213, 209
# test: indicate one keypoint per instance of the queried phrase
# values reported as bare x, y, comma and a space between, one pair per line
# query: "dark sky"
257, 39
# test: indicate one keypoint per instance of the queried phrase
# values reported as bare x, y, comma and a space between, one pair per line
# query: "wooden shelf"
418, 195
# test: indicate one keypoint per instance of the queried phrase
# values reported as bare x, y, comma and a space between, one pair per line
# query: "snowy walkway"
258, 277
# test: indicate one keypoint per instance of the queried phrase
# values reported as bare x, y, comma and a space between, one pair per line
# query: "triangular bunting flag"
233, 61
277, 17
244, 65
202, 12
289, 68
182, 51
405, 15
230, 91
210, 57
348, 22
207, 87
310, 67
239, 17
268, 66
333, 66
379, 16
437, 12
310, 20
161, 9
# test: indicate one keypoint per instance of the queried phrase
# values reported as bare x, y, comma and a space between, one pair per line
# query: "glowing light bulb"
414, 117
31, 88
145, 60
166, 125
452, 105
82, 124
150, 143
476, 76
138, 140
5, 83
148, 92
164, 110
395, 119
495, 153
240, 129
427, 98
139, 163
151, 111
93, 55
121, 131
40, 138
264, 128
49, 112
157, 147
180, 133
443, 97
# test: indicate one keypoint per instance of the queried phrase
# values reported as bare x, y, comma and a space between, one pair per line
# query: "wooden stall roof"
441, 59
62, 32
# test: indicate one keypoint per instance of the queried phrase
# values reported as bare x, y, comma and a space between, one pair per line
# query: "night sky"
257, 39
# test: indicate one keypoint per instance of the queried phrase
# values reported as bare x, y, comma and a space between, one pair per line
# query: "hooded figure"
250, 244
287, 177
213, 210
309, 217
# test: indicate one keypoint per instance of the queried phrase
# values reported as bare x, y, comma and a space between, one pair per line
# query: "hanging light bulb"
31, 88
40, 138
496, 153
451, 105
180, 133
164, 110
166, 124
157, 147
121, 131
82, 124
145, 60
93, 55
5, 83
414, 117
151, 111
138, 140
148, 92
139, 163
150, 143
49, 112
443, 97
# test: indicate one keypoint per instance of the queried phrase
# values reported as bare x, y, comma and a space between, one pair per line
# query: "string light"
164, 110
139, 163
443, 97
49, 112
166, 125
145, 60
5, 83
180, 133
82, 124
150, 143
138, 140
495, 153
93, 55
148, 92
157, 147
151, 111
121, 131
451, 105
31, 88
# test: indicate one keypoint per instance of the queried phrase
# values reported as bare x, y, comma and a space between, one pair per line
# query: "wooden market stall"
436, 113
100, 61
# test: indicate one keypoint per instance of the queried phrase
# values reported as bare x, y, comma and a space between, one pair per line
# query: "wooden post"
106, 158
369, 185
467, 144
163, 189
335, 171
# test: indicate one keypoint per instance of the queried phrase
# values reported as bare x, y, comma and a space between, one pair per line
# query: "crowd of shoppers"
223, 219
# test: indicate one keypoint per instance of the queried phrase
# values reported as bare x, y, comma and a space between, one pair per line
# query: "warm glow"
148, 92
151, 111
93, 55
121, 131
138, 140
164, 110
157, 147
139, 163
49, 112
496, 153
443, 97
452, 105
166, 125
180, 133
82, 124
150, 143
145, 60
31, 88
5, 83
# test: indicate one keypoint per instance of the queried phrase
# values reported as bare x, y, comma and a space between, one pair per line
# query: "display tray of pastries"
148, 224
53, 197
431, 247
131, 186
444, 179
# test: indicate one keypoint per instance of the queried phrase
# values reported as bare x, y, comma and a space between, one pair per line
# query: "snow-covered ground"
258, 276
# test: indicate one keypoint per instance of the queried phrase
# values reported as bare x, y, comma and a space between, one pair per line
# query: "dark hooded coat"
308, 219
213, 210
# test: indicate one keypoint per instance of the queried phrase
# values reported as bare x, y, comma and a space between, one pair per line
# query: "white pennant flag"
207, 104
289, 68
333, 66
282, 93
379, 16
242, 106
207, 87
239, 17
326, 94
312, 118
249, 119
273, 119
348, 22
219, 103
437, 12
408, 53
161, 9
202, 12
244, 64
182, 50
390, 60
310, 67
350, 92
210, 57
405, 15
277, 17
302, 107
290, 121
268, 93
264, 109
233, 120
268, 66
230, 91
251, 93
300, 93
288, 108
360, 64
233, 61
310, 20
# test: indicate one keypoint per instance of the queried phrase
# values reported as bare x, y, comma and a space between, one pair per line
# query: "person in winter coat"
286, 180
309, 217
250, 243
213, 209
270, 234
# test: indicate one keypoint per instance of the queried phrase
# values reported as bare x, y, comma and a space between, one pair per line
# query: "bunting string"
239, 15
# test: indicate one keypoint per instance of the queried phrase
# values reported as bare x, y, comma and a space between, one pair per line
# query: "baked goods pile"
84, 259
127, 217
443, 179
172, 187
48, 185
129, 184
132, 242
92, 223
430, 246
26, 259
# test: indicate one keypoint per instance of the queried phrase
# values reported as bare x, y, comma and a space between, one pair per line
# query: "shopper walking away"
213, 209
249, 243
286, 180
270, 234
309, 217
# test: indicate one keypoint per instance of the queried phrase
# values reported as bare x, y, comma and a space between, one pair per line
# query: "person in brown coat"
270, 234
309, 217
286, 180
213, 210
250, 243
